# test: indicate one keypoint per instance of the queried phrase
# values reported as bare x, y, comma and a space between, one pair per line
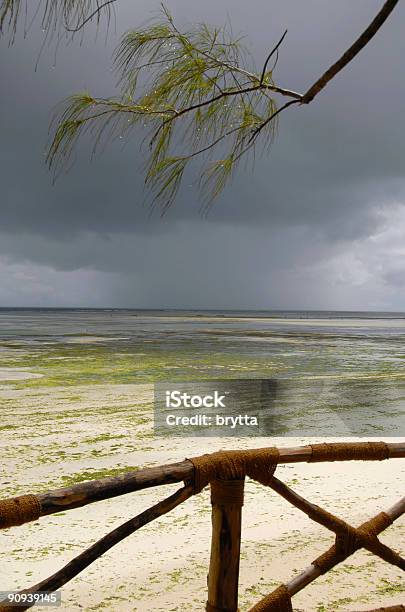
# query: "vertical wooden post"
223, 577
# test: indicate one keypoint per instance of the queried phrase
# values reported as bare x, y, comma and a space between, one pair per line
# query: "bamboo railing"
225, 471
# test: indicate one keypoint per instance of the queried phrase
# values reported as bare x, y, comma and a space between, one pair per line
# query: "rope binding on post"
259, 464
19, 510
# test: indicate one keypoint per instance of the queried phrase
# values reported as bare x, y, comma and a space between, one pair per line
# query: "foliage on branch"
197, 94
193, 93
56, 16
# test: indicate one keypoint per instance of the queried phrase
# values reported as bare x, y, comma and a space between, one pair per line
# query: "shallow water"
335, 373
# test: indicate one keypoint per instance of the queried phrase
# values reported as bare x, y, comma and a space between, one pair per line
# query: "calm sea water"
345, 370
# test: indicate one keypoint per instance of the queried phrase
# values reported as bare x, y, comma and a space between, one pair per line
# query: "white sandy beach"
164, 565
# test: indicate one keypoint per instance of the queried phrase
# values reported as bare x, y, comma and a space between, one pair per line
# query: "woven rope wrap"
19, 510
6, 608
227, 492
339, 451
278, 601
348, 541
10, 608
259, 464
374, 526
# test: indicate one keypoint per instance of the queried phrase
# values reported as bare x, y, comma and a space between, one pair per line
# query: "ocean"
336, 373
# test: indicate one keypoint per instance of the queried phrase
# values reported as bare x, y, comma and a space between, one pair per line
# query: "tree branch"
95, 13
207, 73
281, 90
271, 118
270, 55
351, 52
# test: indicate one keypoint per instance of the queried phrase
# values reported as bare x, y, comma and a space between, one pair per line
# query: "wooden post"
223, 577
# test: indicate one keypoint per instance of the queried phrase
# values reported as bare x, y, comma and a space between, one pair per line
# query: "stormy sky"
319, 223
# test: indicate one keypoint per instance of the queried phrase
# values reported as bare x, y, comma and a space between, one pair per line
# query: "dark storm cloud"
334, 165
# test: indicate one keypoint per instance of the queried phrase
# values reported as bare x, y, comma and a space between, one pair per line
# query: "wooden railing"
225, 471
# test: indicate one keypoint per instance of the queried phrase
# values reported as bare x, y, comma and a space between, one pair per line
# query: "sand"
17, 374
52, 438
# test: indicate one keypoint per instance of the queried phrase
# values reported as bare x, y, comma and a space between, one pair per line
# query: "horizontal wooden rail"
225, 471
106, 488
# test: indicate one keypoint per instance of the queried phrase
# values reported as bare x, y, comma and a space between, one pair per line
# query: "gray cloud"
305, 222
